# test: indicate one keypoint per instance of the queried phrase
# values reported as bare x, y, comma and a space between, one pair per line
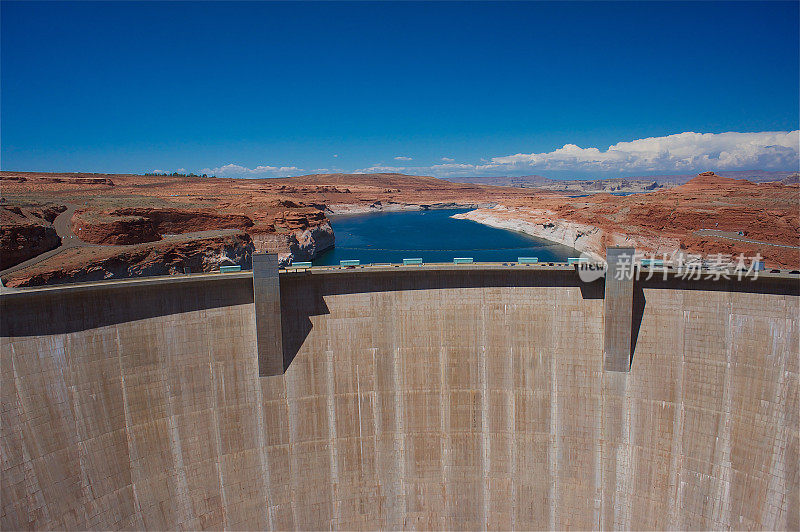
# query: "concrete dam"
434, 397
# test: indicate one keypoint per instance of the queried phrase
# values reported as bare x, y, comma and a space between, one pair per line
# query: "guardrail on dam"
458, 397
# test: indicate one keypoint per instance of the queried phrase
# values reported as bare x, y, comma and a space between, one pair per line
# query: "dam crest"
442, 396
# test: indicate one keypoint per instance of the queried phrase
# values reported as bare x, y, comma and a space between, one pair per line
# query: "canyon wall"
709, 216
412, 399
589, 239
540, 223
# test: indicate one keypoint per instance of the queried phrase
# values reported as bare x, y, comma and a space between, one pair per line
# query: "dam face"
420, 398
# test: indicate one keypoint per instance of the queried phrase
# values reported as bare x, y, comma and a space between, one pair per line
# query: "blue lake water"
434, 237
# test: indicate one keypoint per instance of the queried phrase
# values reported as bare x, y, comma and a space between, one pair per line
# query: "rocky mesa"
26, 230
69, 227
709, 215
145, 222
79, 264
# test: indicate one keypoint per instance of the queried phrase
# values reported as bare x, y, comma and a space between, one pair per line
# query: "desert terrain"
79, 227
619, 185
70, 227
708, 216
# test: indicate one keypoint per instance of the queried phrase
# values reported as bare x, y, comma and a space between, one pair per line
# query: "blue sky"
264, 89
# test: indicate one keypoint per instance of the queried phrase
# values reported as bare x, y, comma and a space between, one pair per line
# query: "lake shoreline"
338, 210
584, 238
433, 234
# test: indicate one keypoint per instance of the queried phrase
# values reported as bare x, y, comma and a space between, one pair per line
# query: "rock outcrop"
63, 178
793, 179
26, 232
178, 221
306, 244
119, 262
19, 243
140, 225
114, 230
300, 219
705, 216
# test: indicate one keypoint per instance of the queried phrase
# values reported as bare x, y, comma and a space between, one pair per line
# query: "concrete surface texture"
618, 310
267, 296
416, 399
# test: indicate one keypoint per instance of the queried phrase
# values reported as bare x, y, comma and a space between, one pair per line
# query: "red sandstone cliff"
156, 258
27, 231
288, 216
708, 215
139, 225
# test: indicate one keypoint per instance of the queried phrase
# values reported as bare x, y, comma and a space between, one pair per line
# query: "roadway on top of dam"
773, 274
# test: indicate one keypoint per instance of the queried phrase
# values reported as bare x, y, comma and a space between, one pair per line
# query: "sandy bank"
543, 223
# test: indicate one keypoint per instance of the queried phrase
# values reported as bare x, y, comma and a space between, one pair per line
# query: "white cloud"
449, 169
381, 169
335, 155
680, 152
440, 170
403, 158
235, 170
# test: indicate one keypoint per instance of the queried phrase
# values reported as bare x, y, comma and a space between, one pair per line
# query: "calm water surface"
433, 236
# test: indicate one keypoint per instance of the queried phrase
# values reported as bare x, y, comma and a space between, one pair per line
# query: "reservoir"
433, 236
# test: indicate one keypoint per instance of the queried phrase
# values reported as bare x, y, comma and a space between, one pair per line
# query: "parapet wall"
411, 399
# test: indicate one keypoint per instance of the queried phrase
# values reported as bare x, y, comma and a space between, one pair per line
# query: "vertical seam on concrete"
127, 414
176, 448
58, 355
263, 454
26, 453
444, 422
553, 450
360, 432
778, 456
291, 406
604, 448
377, 412
724, 478
485, 442
401, 432
625, 470
85, 488
333, 446
676, 461
598, 457
792, 519
511, 428
218, 439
